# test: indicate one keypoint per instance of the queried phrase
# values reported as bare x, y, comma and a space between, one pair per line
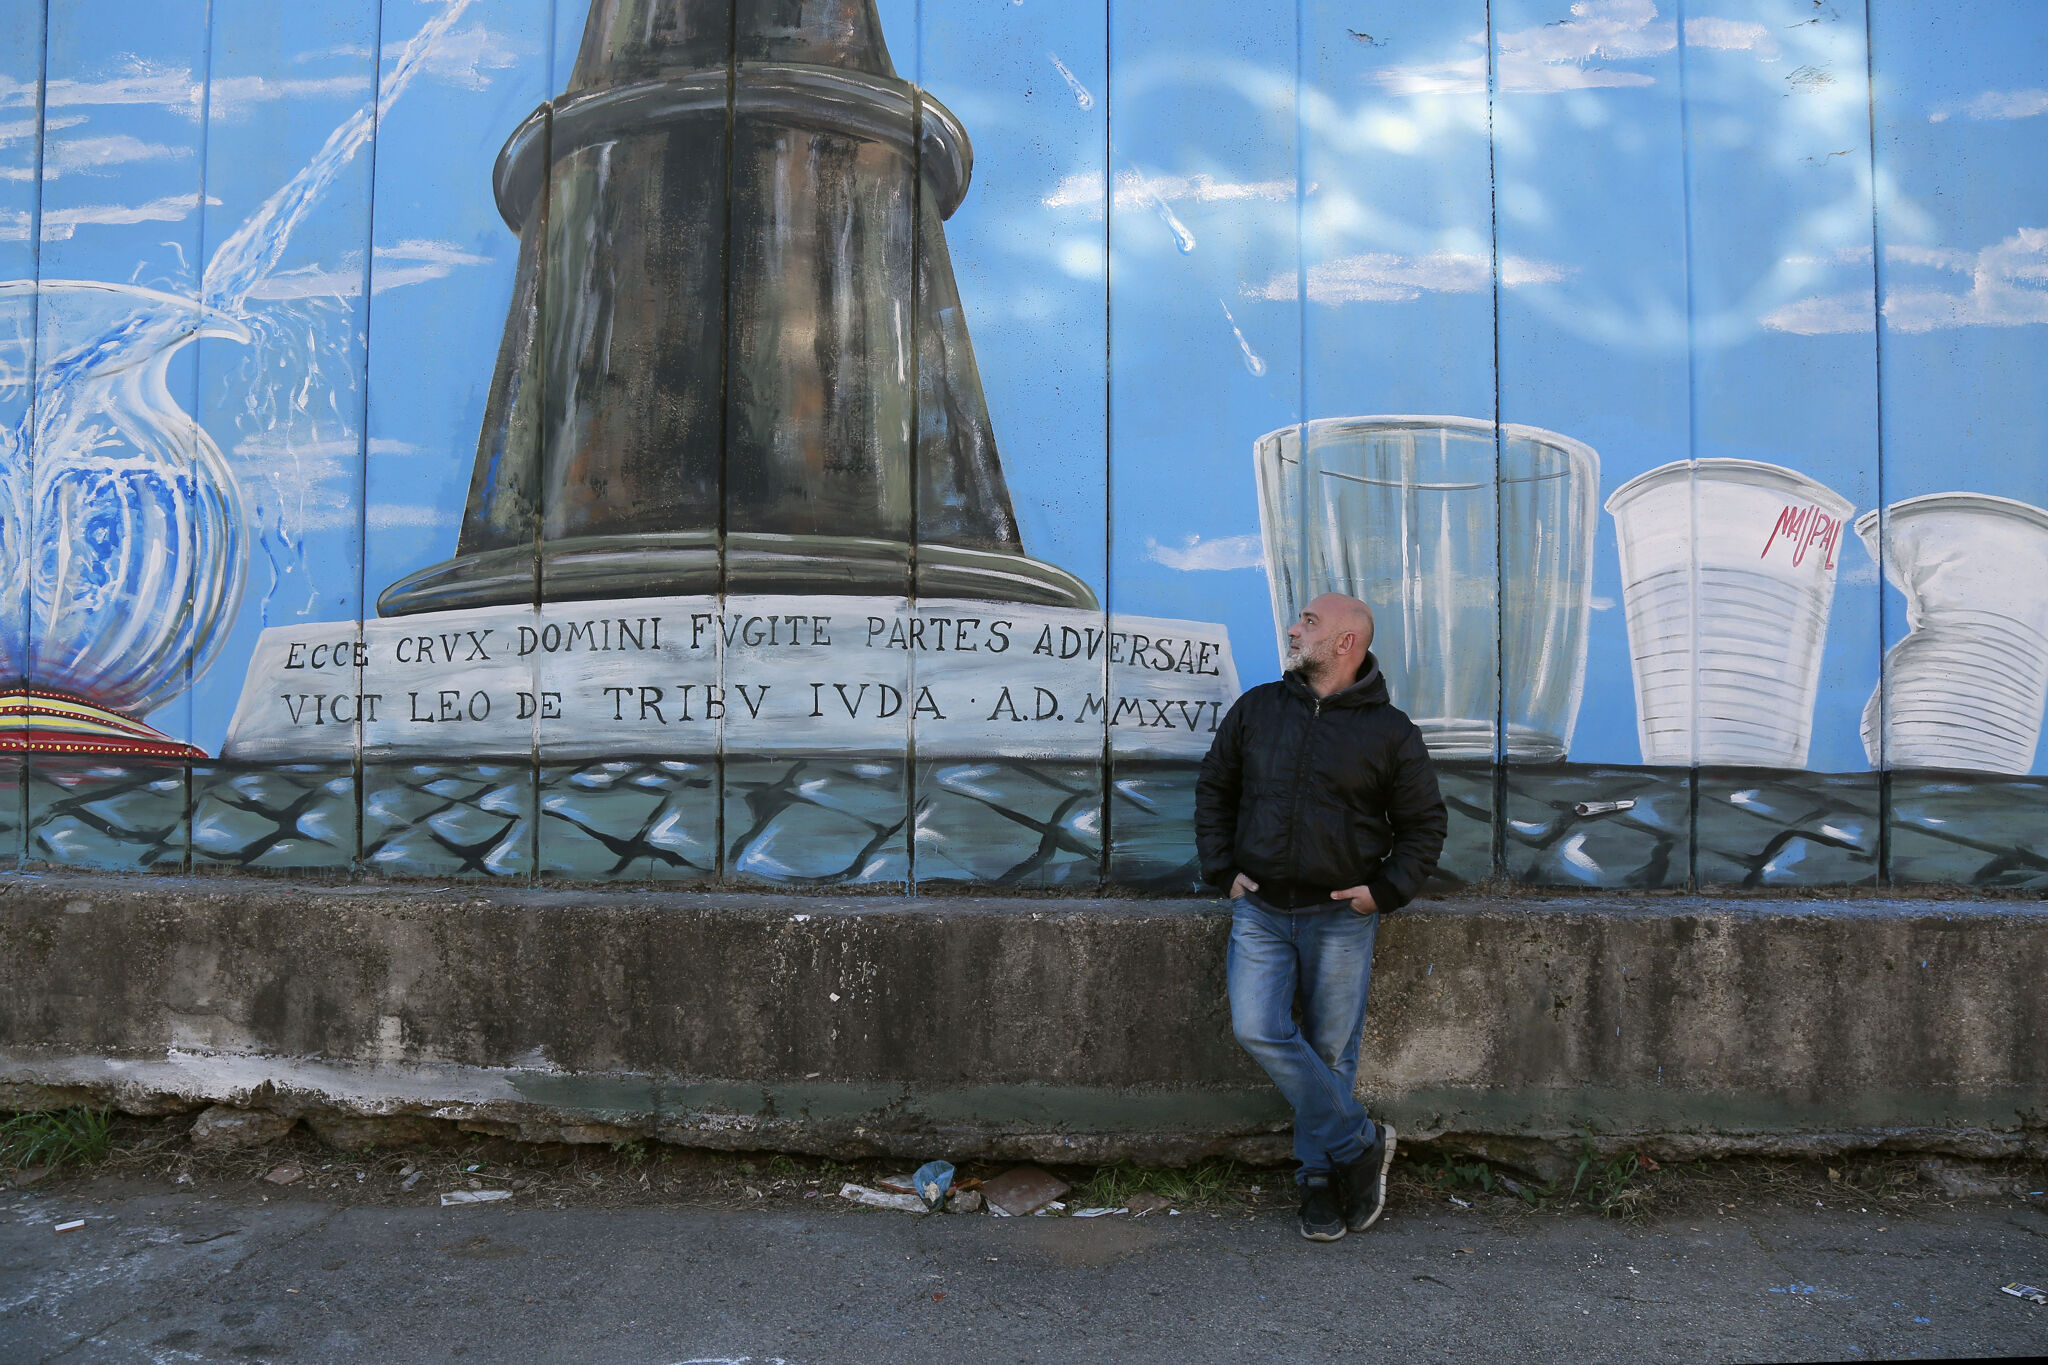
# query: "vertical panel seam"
35, 336
1877, 296
1297, 552
732, 19
198, 381
915, 333
363, 434
1105, 861
543, 434
1497, 829
1692, 442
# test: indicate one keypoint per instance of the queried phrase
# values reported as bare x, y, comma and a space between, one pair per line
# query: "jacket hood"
1369, 690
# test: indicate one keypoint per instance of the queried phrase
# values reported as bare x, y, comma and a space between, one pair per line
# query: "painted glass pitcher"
126, 517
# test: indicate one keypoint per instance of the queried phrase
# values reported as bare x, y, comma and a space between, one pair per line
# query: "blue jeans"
1327, 956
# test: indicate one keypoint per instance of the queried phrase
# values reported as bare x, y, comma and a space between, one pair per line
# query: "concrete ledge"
1077, 1030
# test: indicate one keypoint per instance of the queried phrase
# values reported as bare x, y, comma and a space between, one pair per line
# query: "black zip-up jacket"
1307, 796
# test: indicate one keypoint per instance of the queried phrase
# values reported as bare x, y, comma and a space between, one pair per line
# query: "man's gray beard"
1310, 665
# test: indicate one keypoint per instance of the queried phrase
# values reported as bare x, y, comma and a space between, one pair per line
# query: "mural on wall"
1965, 689
840, 507
736, 581
1728, 574
1408, 514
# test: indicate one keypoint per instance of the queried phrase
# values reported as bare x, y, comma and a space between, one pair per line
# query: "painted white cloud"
1937, 257
91, 155
414, 261
1224, 552
24, 129
1731, 35
461, 57
311, 484
235, 96
1574, 53
1899, 253
1566, 55
1824, 314
2008, 288
346, 447
399, 516
176, 89
1997, 106
1385, 277
60, 225
1134, 191
136, 82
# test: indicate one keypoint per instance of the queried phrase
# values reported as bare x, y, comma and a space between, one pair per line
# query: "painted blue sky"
1189, 225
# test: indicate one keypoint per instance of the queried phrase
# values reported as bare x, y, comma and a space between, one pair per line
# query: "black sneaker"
1321, 1219
1365, 1182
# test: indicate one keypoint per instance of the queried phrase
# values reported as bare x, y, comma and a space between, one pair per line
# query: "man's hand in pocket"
1359, 896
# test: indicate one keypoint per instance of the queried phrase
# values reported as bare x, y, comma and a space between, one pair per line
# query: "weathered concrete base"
1076, 1031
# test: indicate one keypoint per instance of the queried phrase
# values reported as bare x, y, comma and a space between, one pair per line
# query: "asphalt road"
161, 1275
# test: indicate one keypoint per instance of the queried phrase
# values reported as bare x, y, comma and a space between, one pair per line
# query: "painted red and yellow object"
38, 722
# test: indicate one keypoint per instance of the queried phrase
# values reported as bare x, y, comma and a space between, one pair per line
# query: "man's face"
1312, 640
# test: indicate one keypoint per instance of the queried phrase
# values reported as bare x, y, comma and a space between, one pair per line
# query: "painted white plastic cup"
1728, 576
1966, 687
1476, 558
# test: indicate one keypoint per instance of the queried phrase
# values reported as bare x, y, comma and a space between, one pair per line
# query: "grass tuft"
56, 1137
1110, 1186
1614, 1186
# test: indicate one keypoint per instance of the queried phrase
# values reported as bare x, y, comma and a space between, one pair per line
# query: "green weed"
55, 1137
1476, 1175
1611, 1185
1112, 1185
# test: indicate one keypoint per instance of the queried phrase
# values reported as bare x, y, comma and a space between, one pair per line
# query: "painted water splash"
121, 503
1182, 238
1252, 360
1081, 95
285, 457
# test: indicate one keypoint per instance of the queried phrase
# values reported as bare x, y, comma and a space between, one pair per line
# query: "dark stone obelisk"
736, 356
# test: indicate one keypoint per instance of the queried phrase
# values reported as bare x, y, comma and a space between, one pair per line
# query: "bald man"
1318, 808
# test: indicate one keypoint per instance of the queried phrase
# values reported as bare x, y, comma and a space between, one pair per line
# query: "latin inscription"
760, 674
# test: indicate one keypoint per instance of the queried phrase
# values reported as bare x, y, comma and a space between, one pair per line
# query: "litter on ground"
931, 1182
1023, 1189
882, 1199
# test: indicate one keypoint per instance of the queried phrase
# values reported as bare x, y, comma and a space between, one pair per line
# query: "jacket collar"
1369, 690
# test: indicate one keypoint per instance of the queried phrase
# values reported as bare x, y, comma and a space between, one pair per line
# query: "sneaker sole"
1336, 1236
1386, 1164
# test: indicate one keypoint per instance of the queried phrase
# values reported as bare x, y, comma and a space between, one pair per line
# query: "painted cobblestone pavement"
849, 821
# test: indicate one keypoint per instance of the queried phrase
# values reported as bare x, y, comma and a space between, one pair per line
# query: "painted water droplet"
1182, 238
1081, 95
1252, 361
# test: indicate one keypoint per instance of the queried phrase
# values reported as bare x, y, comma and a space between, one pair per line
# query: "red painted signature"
1803, 528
